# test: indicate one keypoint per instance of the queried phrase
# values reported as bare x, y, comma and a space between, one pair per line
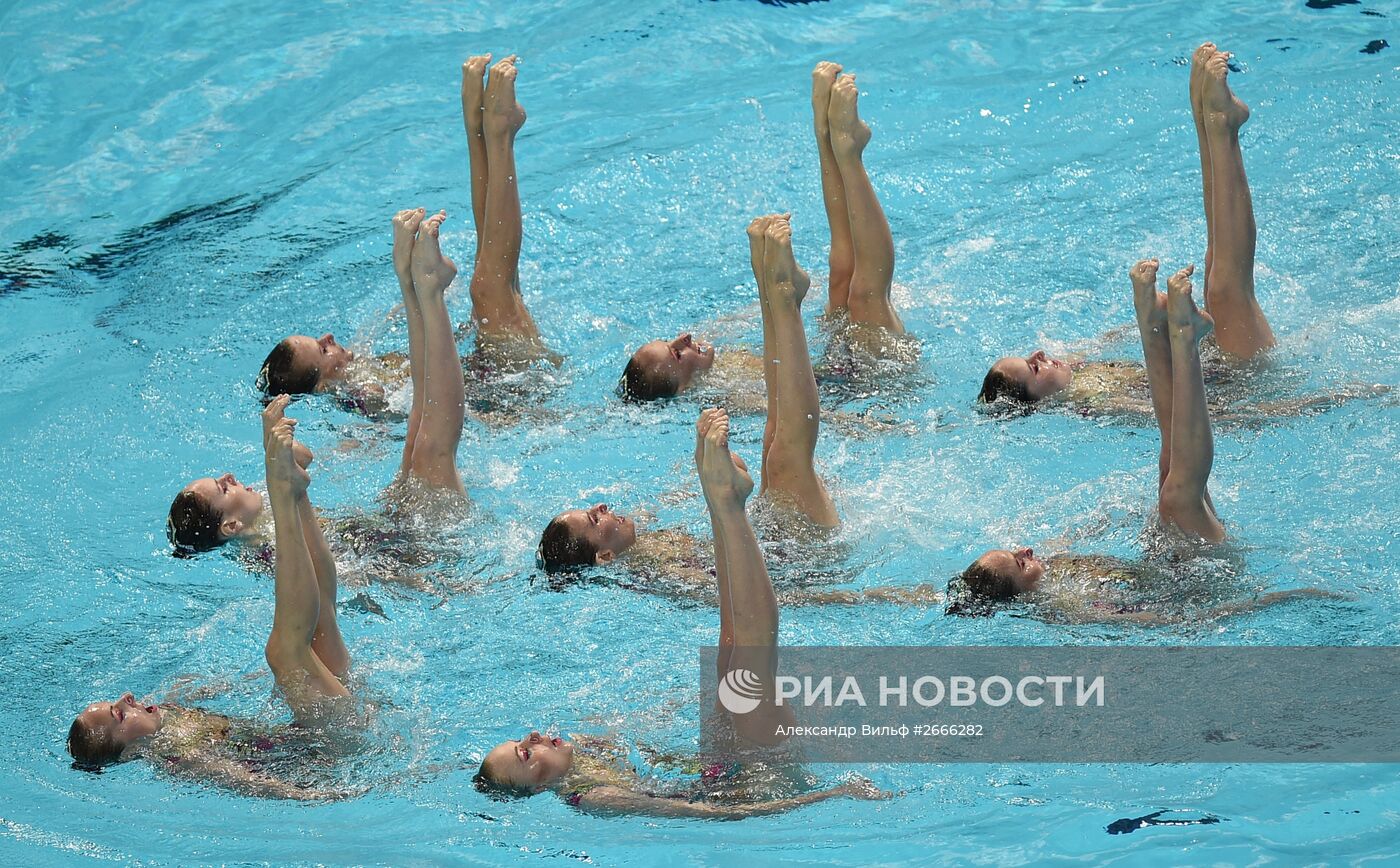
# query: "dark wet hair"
90, 748
964, 602
193, 526
497, 791
561, 550
996, 386
279, 377
988, 584
639, 384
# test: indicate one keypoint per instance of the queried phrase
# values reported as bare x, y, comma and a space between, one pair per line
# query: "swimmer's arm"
1145, 618
914, 595
1123, 405
235, 776
1263, 601
1324, 401
1240, 607
616, 800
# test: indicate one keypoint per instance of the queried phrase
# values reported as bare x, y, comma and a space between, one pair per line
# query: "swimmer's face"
677, 361
124, 722
323, 354
531, 763
1020, 567
608, 532
236, 505
1040, 375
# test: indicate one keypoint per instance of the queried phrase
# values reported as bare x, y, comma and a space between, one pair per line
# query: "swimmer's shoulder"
1095, 566
1112, 386
668, 545
739, 360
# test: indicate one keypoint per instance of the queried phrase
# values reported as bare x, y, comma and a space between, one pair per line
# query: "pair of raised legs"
305, 651
492, 117
1172, 328
748, 608
794, 415
439, 404
862, 249
1240, 327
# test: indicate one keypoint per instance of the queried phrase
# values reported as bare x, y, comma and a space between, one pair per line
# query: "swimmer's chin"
707, 356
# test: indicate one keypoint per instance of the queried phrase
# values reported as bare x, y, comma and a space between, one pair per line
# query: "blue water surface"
183, 184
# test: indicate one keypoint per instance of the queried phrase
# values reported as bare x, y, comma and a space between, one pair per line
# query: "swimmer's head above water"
526, 766
585, 538
300, 365
1004, 574
1025, 380
105, 731
211, 511
664, 369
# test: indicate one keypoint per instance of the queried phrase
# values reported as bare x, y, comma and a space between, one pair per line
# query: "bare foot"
1220, 103
1198, 73
702, 427
756, 232
849, 134
504, 116
1182, 313
432, 272
405, 227
786, 279
1151, 305
472, 87
279, 448
823, 77
724, 477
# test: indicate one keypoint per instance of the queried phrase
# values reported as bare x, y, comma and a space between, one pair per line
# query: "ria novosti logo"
740, 691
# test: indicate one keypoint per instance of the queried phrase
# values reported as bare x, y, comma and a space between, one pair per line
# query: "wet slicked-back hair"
193, 526
561, 550
638, 384
987, 584
997, 385
91, 748
279, 377
495, 790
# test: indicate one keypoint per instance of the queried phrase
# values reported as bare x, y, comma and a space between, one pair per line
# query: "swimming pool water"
184, 184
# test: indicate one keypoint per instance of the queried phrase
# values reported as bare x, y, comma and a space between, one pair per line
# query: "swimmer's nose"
1038, 356
535, 737
327, 340
1026, 552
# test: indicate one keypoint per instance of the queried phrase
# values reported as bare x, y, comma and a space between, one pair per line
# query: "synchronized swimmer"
1242, 333
307, 656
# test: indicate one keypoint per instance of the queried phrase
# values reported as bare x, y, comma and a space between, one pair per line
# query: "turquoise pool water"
184, 184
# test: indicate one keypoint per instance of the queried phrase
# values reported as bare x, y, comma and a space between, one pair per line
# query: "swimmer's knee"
279, 660
840, 275
862, 288
770, 430
429, 450
790, 457
1178, 499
